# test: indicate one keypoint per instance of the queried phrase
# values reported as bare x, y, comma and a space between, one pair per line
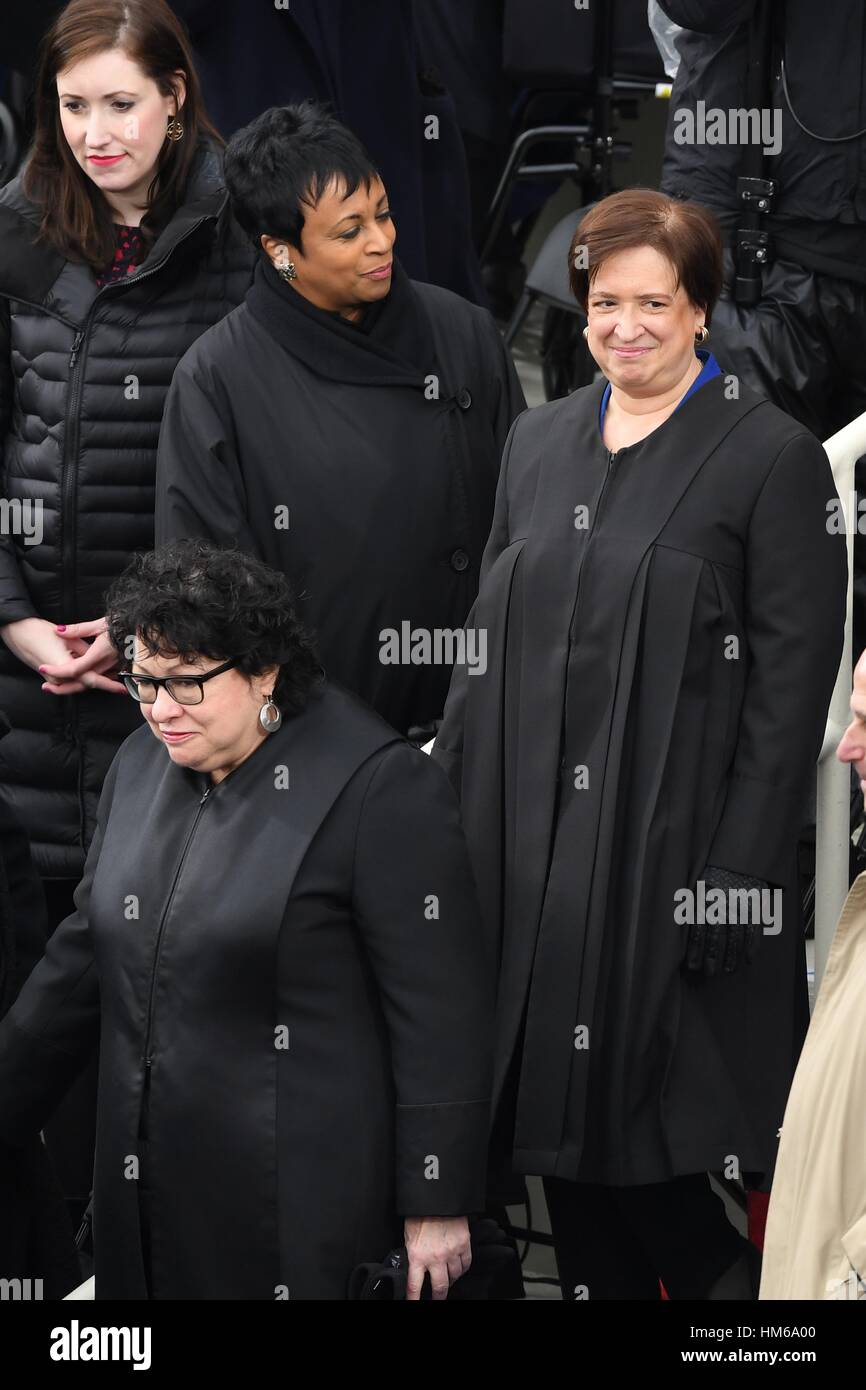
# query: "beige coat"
815, 1245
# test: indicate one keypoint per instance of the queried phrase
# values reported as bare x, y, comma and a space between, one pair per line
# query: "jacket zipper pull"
206, 795
75, 346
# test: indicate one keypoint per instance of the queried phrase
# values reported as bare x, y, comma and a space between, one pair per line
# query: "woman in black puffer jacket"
116, 252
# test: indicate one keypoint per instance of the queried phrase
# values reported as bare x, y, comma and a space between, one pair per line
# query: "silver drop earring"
270, 716
287, 271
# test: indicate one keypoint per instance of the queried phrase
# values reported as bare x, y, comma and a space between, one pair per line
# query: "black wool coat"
660, 666
295, 1008
367, 478
83, 379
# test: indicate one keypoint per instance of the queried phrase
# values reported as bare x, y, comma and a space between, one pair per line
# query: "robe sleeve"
448, 748
795, 599
15, 601
199, 482
52, 1029
416, 908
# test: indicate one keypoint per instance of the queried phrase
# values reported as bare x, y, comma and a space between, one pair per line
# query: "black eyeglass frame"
127, 676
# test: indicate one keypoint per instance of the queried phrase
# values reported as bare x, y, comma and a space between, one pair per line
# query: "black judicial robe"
619, 742
318, 1036
361, 464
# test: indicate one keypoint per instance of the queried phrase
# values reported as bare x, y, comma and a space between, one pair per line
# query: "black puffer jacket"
83, 379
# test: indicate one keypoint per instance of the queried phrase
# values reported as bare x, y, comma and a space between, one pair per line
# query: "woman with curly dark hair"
276, 936
346, 423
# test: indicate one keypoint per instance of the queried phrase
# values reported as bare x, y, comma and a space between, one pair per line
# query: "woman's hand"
84, 663
438, 1245
37, 642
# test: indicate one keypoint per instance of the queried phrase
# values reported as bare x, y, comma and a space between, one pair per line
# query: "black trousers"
618, 1242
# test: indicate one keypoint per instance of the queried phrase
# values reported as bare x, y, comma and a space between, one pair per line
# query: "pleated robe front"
664, 627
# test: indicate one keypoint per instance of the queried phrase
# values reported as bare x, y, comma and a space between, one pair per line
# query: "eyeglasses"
187, 690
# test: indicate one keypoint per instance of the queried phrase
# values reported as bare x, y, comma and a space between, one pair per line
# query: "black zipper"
72, 432
611, 458
564, 761
69, 474
160, 932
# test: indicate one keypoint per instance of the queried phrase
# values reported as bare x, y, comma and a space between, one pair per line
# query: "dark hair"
76, 218
686, 234
192, 599
286, 158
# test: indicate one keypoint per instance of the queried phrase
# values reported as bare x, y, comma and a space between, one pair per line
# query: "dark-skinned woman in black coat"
278, 936
664, 609
346, 423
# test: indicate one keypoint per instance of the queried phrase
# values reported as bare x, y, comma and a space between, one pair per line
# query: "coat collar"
398, 349
29, 269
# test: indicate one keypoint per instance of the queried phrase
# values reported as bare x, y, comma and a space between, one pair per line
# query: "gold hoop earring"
702, 334
174, 130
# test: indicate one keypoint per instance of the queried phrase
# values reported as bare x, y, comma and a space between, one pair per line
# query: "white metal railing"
833, 825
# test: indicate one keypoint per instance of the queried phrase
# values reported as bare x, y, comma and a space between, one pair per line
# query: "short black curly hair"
284, 160
191, 598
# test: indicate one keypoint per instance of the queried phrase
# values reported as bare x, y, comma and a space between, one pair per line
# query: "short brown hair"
76, 218
686, 234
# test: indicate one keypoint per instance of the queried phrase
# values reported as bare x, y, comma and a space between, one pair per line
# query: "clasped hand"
73, 658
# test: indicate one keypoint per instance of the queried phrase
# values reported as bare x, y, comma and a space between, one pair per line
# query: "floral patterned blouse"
129, 253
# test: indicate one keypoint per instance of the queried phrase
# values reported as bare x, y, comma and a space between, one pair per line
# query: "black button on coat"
299, 959
83, 380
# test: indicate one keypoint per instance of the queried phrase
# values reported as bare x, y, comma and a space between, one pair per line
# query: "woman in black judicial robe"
276, 936
664, 611
346, 424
